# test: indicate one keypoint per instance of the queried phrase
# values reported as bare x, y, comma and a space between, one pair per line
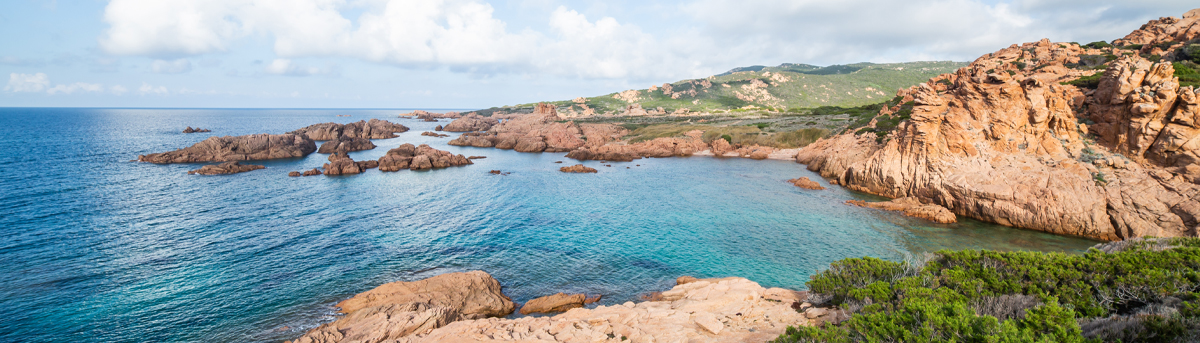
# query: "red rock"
911, 207
225, 168
472, 122
421, 157
240, 148
560, 302
294, 174
805, 183
578, 168
371, 129
346, 144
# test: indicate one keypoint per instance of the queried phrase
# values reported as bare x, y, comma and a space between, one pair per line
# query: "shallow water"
97, 248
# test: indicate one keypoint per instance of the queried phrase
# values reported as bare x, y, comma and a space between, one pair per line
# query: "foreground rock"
560, 302
911, 207
370, 129
341, 164
189, 129
346, 144
1003, 141
239, 148
400, 309
421, 157
805, 183
434, 134
225, 168
708, 310
578, 168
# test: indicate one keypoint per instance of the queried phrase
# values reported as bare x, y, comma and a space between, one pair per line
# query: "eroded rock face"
471, 122
370, 129
239, 148
345, 144
401, 309
225, 168
708, 310
421, 157
1003, 142
911, 207
560, 302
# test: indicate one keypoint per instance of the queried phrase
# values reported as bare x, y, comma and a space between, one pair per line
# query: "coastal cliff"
1096, 141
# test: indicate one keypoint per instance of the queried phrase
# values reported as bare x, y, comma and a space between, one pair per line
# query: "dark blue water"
96, 248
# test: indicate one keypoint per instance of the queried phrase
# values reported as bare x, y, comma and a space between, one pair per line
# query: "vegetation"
1139, 290
1090, 82
1098, 45
1188, 76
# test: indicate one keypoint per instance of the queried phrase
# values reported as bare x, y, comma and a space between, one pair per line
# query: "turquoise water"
100, 249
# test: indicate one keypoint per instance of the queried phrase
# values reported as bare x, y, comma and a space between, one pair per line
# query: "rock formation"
345, 144
708, 310
430, 116
294, 174
240, 148
371, 129
805, 183
1002, 140
225, 168
434, 134
421, 157
401, 309
471, 122
658, 147
911, 207
313, 172
560, 302
578, 168
189, 129
341, 164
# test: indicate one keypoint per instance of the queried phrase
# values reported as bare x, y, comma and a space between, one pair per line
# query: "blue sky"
477, 53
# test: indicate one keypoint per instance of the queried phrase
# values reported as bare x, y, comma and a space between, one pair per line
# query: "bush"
1187, 76
727, 138
1098, 45
1090, 82
1136, 290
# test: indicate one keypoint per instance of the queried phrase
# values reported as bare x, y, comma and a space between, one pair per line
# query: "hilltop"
784, 88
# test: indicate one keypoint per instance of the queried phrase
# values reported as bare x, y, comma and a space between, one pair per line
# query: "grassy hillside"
783, 88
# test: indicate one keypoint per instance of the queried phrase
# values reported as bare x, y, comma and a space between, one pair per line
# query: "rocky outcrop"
560, 302
239, 148
708, 310
1004, 141
345, 144
804, 182
578, 168
434, 134
1167, 29
370, 129
658, 147
431, 116
225, 168
471, 122
189, 129
420, 157
911, 207
341, 164
401, 309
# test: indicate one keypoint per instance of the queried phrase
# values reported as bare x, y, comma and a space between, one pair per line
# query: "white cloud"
178, 66
286, 67
76, 87
118, 90
27, 82
147, 89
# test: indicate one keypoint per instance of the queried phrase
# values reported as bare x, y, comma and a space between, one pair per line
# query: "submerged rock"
225, 168
239, 148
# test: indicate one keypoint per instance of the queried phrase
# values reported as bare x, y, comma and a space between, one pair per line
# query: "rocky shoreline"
471, 306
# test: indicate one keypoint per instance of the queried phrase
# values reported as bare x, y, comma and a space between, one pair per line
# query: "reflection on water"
110, 250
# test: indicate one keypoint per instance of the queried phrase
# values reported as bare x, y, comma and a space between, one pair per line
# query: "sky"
467, 54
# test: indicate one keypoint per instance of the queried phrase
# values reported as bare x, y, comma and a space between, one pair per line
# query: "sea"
95, 247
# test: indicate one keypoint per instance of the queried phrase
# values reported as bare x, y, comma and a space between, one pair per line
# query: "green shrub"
1098, 45
1187, 76
1132, 47
1090, 82
727, 138
1135, 290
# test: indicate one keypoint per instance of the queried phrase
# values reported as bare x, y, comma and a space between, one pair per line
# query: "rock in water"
370, 129
313, 172
805, 183
225, 168
434, 134
560, 302
189, 129
294, 174
400, 309
911, 207
421, 157
471, 122
341, 164
578, 168
240, 148
346, 144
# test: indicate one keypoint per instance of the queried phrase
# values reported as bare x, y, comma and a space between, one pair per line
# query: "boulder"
401, 309
911, 207
578, 168
345, 144
369, 129
313, 172
805, 183
225, 168
560, 302
294, 174
240, 148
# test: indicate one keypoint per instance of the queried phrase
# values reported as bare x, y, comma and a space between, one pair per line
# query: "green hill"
784, 88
